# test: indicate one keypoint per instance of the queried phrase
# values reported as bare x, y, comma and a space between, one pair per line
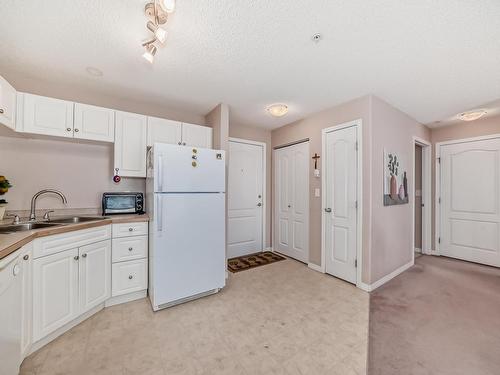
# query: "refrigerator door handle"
159, 220
160, 173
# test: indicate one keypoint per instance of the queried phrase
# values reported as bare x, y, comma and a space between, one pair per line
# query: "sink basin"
24, 227
76, 219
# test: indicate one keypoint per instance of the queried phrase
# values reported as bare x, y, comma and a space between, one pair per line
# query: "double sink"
22, 227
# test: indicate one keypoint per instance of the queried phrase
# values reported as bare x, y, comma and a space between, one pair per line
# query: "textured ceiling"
431, 59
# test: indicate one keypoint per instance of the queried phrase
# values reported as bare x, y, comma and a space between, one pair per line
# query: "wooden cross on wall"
315, 158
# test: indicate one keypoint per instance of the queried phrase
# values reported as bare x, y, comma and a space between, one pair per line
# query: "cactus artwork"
395, 179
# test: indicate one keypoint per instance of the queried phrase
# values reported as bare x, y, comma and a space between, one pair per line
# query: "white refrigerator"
185, 198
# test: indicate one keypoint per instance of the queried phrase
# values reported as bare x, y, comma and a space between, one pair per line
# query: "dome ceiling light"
472, 115
277, 110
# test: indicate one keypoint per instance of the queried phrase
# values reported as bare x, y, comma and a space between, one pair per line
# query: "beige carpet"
441, 317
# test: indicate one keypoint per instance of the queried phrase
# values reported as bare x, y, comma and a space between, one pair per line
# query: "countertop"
13, 241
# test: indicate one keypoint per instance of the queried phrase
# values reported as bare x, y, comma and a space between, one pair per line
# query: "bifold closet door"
291, 226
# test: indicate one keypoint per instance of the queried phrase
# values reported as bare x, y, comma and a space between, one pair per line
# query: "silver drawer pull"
76, 257
130, 277
130, 229
1, 111
84, 255
26, 257
130, 249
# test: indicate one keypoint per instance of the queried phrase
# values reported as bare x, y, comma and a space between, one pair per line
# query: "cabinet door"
55, 292
196, 135
94, 123
27, 299
47, 116
164, 131
95, 274
130, 144
7, 104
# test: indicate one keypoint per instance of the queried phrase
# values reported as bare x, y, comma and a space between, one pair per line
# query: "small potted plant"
4, 188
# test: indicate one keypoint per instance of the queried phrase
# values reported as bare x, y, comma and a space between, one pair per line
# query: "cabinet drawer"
130, 229
59, 242
128, 277
129, 248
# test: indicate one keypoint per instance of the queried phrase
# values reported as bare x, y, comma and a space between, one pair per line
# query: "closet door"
292, 201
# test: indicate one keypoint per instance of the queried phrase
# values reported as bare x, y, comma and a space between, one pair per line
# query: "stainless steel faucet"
44, 191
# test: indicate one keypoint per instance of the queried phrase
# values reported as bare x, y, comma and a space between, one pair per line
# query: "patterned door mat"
252, 260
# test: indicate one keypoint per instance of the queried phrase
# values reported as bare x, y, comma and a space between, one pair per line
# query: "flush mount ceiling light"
472, 115
94, 71
277, 110
157, 14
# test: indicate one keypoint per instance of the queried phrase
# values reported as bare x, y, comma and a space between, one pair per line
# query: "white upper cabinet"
7, 104
196, 135
94, 123
164, 131
48, 116
130, 144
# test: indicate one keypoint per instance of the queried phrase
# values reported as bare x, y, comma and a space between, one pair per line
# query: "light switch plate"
316, 193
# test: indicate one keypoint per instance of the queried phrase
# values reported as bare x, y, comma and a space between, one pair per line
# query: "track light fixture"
157, 14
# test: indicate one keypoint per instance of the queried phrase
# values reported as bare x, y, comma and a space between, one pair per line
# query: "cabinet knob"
259, 204
76, 257
77, 130
183, 143
1, 111
130, 229
68, 129
130, 277
179, 143
84, 255
130, 249
26, 257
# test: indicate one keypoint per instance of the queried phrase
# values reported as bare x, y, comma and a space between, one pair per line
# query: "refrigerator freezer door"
180, 169
188, 257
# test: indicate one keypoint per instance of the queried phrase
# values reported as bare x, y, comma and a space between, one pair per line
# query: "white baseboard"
361, 285
268, 249
315, 267
125, 298
388, 277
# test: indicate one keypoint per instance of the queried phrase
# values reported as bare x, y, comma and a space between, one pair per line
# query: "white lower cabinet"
130, 258
68, 283
131, 276
95, 274
27, 299
55, 292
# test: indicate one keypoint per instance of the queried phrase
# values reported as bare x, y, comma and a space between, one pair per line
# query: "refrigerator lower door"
188, 255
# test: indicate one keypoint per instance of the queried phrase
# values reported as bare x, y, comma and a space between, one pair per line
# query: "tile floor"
282, 318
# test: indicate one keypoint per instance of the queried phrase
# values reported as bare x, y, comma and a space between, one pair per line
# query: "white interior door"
470, 192
340, 209
245, 198
292, 201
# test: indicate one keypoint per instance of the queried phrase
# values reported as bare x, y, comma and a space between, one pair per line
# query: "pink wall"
260, 135
486, 126
311, 127
82, 171
392, 226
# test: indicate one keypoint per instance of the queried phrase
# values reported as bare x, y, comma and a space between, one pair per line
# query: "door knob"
289, 206
328, 210
259, 204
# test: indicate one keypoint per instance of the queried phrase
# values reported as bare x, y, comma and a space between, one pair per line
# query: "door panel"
164, 131
470, 194
196, 135
130, 144
95, 274
245, 192
292, 197
340, 197
55, 292
94, 123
